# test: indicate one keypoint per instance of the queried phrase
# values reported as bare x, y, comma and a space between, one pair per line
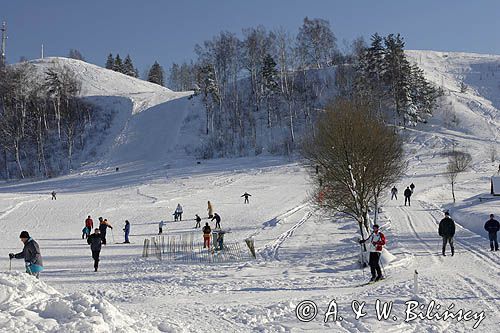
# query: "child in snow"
198, 220
160, 227
53, 195
31, 255
377, 242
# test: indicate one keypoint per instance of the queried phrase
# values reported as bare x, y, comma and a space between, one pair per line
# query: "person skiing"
210, 210
217, 220
447, 231
246, 195
407, 193
198, 221
31, 255
103, 226
160, 227
206, 235
394, 193
53, 195
178, 211
127, 231
492, 226
377, 241
412, 187
95, 242
89, 224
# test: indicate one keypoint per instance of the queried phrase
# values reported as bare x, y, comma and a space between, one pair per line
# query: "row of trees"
265, 87
270, 86
125, 67
385, 76
182, 77
42, 121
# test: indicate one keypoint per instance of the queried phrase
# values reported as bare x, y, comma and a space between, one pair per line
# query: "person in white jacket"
178, 212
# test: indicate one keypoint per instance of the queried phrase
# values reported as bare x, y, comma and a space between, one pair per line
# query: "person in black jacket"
407, 194
447, 231
492, 226
198, 220
31, 255
217, 220
95, 242
246, 195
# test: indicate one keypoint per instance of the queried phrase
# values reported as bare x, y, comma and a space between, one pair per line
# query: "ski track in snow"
270, 251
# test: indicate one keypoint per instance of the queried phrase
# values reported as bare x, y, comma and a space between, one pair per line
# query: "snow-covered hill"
146, 117
303, 253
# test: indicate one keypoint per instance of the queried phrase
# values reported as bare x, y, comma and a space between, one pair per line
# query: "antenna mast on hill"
4, 40
42, 52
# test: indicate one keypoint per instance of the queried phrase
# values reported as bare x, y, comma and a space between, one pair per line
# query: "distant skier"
103, 226
95, 242
126, 229
492, 226
89, 224
394, 192
53, 195
412, 187
31, 255
210, 210
198, 221
447, 231
206, 235
246, 195
407, 193
160, 227
217, 220
178, 212
377, 242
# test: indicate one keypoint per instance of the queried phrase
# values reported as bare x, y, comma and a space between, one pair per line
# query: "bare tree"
359, 155
458, 162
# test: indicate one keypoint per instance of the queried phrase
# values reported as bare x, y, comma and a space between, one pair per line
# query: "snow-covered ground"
302, 253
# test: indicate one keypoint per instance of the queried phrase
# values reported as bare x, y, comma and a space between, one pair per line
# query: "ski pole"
113, 235
10, 264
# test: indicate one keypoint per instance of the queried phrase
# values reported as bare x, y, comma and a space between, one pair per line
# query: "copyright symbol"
306, 311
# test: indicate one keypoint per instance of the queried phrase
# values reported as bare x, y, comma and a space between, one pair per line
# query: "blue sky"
167, 30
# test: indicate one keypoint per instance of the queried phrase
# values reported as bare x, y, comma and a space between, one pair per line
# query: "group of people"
446, 230
407, 193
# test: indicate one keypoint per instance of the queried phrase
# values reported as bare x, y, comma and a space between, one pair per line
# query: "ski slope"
302, 253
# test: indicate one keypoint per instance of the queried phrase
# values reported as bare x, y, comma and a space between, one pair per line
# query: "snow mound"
98, 81
30, 305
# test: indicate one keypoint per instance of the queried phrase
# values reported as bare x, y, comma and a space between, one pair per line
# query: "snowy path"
468, 279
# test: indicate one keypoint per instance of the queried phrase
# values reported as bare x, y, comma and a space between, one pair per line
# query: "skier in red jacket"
377, 242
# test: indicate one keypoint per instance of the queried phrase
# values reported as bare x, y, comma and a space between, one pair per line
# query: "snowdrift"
30, 305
